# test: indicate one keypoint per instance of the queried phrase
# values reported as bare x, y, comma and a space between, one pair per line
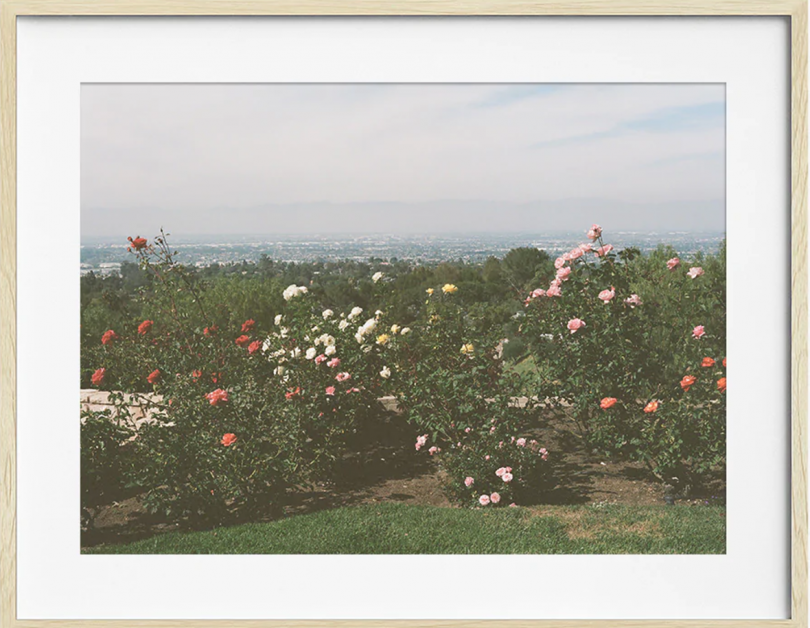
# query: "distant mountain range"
450, 216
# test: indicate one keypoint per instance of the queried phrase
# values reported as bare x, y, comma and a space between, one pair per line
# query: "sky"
410, 158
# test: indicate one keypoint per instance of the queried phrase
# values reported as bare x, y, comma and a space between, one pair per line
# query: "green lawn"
392, 528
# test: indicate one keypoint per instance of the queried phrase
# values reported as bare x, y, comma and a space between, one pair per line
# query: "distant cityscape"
104, 256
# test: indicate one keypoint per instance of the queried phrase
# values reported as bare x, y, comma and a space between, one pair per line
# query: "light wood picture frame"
794, 10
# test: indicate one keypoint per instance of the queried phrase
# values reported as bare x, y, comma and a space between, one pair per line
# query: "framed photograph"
413, 313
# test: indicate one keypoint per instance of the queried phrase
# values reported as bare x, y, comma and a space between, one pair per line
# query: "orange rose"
721, 384
243, 341
153, 376
228, 439
707, 362
607, 402
652, 406
687, 382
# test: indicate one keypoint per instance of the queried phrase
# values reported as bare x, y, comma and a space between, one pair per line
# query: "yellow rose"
395, 329
449, 288
382, 339
429, 291
467, 349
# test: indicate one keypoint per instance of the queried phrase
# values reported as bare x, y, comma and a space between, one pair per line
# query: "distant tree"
523, 264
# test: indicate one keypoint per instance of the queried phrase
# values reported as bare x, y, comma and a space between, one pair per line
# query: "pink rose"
604, 250
467, 430
594, 232
330, 390
538, 293
633, 300
420, 441
606, 296
586, 248
554, 291
673, 263
333, 363
559, 262
695, 272
486, 457
494, 498
563, 273
698, 332
483, 500
520, 442
320, 359
575, 324
433, 450
575, 253
342, 377
507, 477
468, 481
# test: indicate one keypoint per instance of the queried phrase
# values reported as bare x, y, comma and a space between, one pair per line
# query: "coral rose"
673, 263
483, 500
468, 481
243, 340
144, 327
137, 243
652, 406
108, 337
687, 382
217, 397
575, 324
594, 232
607, 402
228, 439
153, 376
248, 325
607, 295
98, 376
494, 498
721, 384
707, 362
254, 346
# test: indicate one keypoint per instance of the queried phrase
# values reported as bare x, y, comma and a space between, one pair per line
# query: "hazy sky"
192, 152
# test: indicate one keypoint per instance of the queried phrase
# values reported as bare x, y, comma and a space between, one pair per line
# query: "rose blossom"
228, 439
553, 291
721, 384
520, 442
144, 327
433, 450
333, 363
538, 293
574, 254
562, 273
330, 390
483, 500
98, 376
320, 359
342, 377
468, 481
138, 243
575, 324
494, 498
108, 337
604, 250
254, 346
724, 363
216, 397
652, 406
606, 295
243, 340
695, 272
248, 325
293, 393
594, 232
707, 362
633, 300
559, 262
153, 376
687, 382
385, 373
698, 332
673, 263
607, 402
507, 477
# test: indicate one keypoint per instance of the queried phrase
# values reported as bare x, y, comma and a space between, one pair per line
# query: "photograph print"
403, 319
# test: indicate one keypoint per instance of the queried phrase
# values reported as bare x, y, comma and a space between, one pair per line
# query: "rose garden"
497, 393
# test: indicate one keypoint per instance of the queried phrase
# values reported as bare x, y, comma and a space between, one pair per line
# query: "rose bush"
633, 348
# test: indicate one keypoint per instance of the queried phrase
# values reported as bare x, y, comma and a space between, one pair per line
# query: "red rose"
687, 381
652, 406
248, 325
707, 362
217, 397
138, 243
210, 331
98, 376
196, 375
227, 440
292, 394
254, 346
243, 340
607, 402
721, 384
144, 327
108, 337
153, 376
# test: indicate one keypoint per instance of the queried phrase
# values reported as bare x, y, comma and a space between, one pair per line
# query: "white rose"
278, 319
327, 314
295, 353
343, 324
395, 329
405, 331
331, 350
359, 338
311, 353
376, 277
279, 370
385, 373
356, 311
367, 348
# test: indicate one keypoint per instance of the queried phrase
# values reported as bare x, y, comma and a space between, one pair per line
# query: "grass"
392, 528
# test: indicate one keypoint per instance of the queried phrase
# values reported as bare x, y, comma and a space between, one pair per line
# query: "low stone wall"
140, 405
